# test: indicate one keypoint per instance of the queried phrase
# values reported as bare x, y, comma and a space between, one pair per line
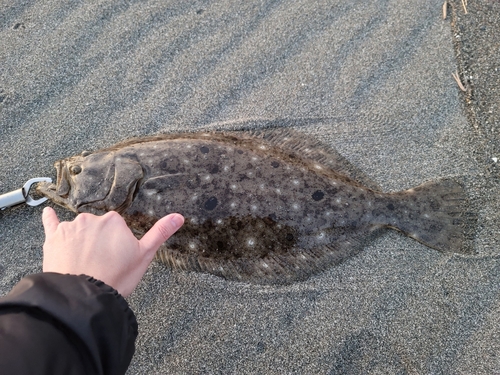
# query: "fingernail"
177, 221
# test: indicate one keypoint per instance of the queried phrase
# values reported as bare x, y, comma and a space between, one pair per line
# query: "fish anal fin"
297, 264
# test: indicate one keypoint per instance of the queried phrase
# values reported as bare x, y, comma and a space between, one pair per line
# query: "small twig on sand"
464, 4
445, 8
459, 83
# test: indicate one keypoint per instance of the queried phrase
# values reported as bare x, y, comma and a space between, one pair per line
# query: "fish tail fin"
436, 214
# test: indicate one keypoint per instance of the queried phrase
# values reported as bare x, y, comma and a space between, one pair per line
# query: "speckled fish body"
263, 207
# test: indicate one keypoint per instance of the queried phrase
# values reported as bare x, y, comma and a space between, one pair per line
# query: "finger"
49, 220
161, 231
111, 217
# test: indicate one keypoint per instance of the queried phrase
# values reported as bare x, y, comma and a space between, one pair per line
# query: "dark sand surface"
371, 79
476, 37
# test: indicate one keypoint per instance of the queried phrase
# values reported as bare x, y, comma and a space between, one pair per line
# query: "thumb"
160, 232
49, 220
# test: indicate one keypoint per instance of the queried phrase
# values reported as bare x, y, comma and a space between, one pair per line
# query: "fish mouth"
58, 192
49, 190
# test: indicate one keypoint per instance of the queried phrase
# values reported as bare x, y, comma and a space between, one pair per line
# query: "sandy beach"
372, 80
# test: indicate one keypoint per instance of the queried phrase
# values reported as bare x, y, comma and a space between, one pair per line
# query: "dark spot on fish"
272, 217
204, 149
199, 11
239, 151
194, 182
213, 169
211, 203
249, 166
289, 237
164, 165
390, 206
332, 191
18, 25
320, 222
435, 205
275, 164
318, 195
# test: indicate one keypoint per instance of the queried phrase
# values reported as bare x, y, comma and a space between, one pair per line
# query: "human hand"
103, 247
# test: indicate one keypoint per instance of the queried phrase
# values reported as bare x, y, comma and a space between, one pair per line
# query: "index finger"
50, 220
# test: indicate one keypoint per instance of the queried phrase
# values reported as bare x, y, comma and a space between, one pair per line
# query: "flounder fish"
264, 206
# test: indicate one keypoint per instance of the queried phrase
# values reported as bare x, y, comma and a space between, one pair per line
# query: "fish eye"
86, 153
75, 169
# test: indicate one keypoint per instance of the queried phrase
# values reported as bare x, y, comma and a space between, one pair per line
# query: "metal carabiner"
19, 196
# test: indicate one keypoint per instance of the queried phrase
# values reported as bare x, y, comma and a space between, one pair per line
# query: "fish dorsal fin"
289, 140
308, 147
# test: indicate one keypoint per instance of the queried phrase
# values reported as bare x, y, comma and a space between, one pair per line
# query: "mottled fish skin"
254, 211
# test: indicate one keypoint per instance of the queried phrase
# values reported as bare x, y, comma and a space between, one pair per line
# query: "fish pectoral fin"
163, 182
128, 172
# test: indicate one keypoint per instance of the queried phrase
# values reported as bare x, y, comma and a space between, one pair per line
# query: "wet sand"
372, 80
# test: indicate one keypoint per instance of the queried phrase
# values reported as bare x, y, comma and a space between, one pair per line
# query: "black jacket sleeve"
65, 324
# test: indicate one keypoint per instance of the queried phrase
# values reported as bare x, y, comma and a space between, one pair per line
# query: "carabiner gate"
19, 196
